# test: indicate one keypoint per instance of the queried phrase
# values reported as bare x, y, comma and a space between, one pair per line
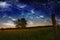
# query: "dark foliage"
21, 23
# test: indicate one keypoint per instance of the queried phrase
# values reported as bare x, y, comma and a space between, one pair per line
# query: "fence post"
55, 28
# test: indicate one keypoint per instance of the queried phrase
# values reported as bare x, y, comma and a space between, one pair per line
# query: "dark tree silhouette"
21, 23
55, 26
17, 23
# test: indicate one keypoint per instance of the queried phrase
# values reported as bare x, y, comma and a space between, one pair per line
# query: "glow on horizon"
30, 24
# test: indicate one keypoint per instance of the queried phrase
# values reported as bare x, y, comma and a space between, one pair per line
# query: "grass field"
28, 34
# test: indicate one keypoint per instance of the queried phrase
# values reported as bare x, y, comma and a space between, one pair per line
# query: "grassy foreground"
28, 34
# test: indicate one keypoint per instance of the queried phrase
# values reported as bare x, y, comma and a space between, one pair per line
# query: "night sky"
36, 12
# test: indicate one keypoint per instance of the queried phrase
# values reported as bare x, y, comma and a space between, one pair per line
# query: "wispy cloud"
21, 6
8, 23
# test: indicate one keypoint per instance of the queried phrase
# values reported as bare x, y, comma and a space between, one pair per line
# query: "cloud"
32, 11
12, 18
37, 17
4, 16
41, 16
4, 5
9, 23
21, 6
29, 22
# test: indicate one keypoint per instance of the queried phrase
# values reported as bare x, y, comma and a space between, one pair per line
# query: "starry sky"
36, 12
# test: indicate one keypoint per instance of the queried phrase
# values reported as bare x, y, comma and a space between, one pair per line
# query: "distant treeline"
27, 27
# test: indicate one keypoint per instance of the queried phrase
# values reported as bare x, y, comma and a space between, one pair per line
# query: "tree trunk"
55, 28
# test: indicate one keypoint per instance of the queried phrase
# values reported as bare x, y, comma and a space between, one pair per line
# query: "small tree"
21, 23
